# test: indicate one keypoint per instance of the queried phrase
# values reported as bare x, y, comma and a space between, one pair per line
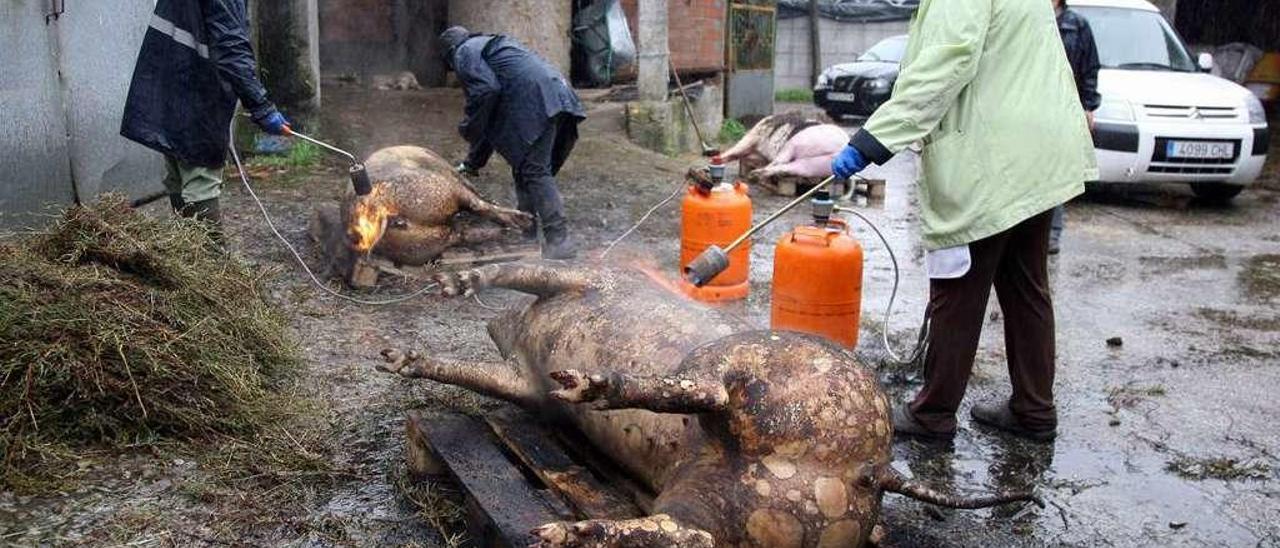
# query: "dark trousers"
536, 188
1016, 262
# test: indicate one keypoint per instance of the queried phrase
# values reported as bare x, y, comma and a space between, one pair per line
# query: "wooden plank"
539, 451
502, 506
580, 448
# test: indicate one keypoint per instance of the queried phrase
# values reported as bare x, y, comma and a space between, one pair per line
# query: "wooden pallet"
516, 475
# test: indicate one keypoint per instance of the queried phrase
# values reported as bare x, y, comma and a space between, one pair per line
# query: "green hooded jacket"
986, 86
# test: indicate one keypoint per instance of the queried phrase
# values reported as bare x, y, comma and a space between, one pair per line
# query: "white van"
1163, 118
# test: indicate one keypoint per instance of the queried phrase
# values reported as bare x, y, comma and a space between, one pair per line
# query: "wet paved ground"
1167, 440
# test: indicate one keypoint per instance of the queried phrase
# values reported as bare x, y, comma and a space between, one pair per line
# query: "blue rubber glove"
274, 123
848, 163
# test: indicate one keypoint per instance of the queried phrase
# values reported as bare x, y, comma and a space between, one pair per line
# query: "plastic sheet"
602, 43
851, 11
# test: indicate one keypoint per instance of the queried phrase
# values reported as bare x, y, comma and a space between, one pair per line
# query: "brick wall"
696, 32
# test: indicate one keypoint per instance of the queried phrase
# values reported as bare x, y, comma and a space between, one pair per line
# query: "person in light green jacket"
986, 86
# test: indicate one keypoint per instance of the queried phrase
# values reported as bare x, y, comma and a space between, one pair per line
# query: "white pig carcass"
792, 145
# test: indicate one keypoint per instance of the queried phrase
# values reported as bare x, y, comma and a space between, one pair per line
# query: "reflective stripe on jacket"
196, 61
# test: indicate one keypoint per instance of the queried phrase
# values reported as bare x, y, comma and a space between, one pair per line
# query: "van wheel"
1216, 192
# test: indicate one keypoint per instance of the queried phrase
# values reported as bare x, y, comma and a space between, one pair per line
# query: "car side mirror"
1206, 62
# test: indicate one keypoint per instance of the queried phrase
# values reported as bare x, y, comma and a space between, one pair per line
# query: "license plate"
1200, 149
842, 97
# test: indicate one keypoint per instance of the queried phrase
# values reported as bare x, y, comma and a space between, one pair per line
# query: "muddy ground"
1166, 439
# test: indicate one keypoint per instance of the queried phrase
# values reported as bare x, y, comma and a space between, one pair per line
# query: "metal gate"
750, 43
66, 73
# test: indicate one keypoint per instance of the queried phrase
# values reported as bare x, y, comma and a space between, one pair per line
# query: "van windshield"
1136, 40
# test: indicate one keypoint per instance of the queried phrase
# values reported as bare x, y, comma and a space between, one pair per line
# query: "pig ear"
889, 479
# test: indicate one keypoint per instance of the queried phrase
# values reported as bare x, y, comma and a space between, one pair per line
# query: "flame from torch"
369, 219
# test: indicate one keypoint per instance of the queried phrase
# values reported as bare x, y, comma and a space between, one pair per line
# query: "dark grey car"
859, 88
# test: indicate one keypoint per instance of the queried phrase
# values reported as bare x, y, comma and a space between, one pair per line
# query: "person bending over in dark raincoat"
520, 106
195, 62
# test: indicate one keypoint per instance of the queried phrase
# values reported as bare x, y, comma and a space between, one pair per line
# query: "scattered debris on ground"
1129, 396
1219, 468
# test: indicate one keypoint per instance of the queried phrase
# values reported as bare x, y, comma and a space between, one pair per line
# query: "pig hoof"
578, 386
453, 284
519, 219
658, 530
397, 360
551, 534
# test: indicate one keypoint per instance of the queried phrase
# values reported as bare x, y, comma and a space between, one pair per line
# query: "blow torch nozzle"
707, 266
359, 176
360, 180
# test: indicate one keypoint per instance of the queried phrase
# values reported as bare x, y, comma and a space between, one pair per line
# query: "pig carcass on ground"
791, 145
750, 438
414, 212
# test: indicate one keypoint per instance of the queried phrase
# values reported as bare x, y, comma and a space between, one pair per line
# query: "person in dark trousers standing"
521, 107
196, 62
986, 87
1082, 54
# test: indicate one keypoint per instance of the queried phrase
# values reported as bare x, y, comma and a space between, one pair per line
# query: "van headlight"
824, 81
1257, 114
1115, 110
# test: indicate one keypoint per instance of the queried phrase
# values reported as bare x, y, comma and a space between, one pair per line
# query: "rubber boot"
210, 212
175, 200
557, 245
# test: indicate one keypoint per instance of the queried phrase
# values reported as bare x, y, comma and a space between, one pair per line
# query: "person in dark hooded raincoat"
196, 62
520, 106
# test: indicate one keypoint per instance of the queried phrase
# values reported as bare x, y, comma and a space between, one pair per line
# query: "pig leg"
491, 379
613, 390
469, 200
477, 235
538, 279
816, 166
745, 146
646, 532
888, 479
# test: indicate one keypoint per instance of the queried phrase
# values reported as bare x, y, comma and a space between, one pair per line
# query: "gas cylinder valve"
823, 207
716, 170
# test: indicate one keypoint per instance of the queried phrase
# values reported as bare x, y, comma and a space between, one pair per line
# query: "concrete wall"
543, 25
695, 32
841, 43
371, 37
62, 91
666, 127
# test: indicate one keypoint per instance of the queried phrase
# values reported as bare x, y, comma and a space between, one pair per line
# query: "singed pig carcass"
791, 145
749, 438
413, 213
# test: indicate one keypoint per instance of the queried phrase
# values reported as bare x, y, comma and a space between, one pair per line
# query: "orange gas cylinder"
717, 216
817, 283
